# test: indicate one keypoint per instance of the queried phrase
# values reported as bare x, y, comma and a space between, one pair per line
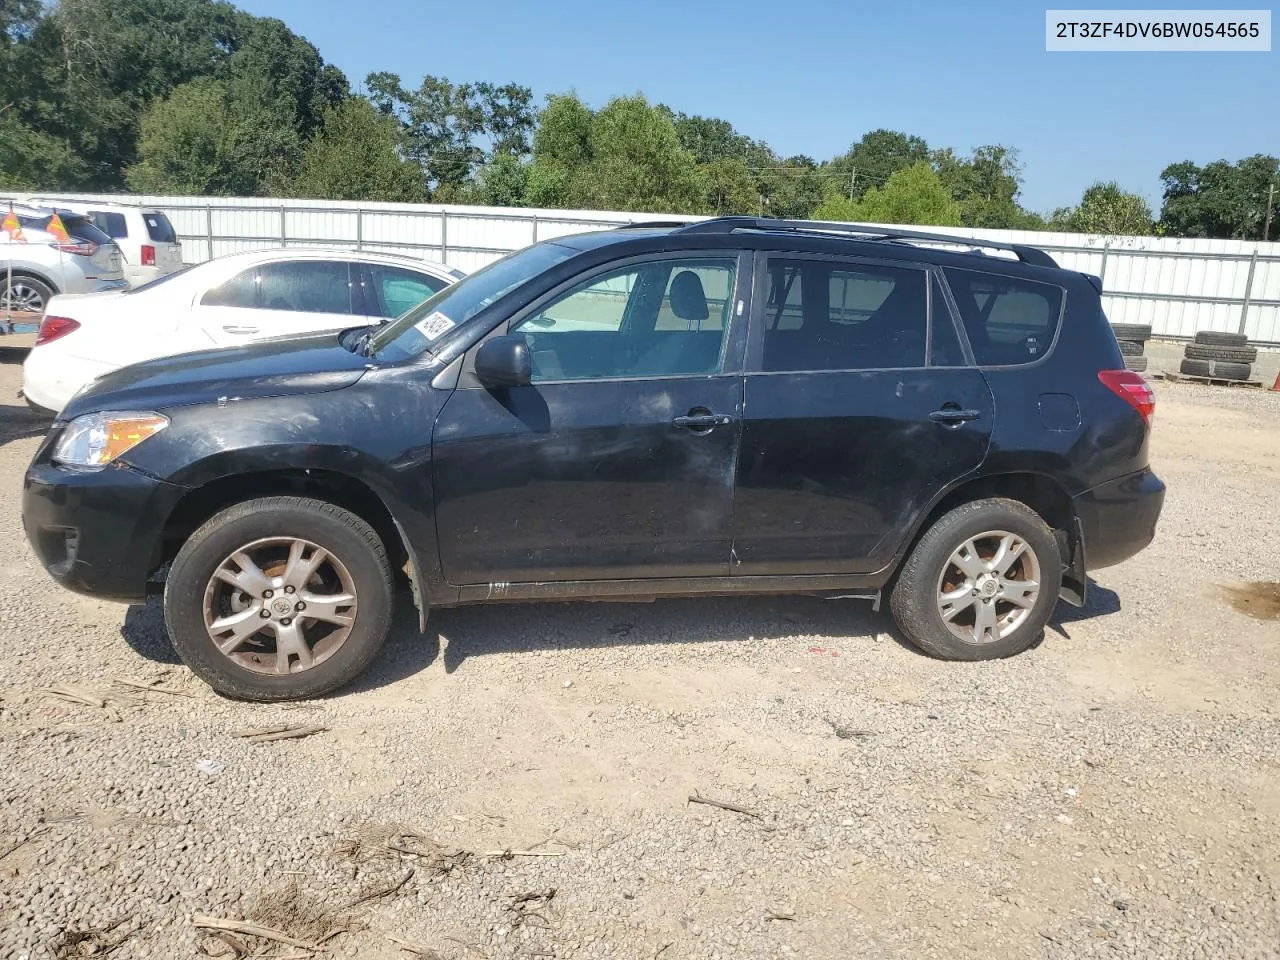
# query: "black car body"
739, 444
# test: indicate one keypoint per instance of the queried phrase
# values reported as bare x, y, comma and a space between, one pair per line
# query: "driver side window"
661, 319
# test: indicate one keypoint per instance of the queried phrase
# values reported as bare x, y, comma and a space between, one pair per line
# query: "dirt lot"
1113, 792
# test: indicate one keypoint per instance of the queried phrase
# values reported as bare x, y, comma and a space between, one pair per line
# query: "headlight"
96, 439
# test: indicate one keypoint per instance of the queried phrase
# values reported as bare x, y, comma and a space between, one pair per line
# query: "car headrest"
688, 301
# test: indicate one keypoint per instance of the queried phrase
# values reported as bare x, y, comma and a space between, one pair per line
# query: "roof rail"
655, 224
866, 231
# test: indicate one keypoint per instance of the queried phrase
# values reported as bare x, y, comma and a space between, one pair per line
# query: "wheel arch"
1039, 491
202, 502
33, 274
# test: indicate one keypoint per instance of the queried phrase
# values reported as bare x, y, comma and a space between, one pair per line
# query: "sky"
810, 77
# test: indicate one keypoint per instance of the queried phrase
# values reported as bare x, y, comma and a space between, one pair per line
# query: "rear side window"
240, 291
159, 228
112, 224
306, 286
398, 290
1009, 320
828, 315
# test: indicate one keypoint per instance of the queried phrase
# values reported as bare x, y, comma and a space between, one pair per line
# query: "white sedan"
220, 303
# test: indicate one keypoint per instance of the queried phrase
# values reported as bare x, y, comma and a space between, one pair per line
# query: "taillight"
51, 328
80, 248
148, 255
1131, 387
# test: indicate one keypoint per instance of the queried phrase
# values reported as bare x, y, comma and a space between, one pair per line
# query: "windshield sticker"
435, 326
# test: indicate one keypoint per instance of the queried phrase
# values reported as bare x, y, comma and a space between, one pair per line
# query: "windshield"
422, 326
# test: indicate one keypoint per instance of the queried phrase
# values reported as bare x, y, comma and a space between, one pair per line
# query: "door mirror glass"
504, 362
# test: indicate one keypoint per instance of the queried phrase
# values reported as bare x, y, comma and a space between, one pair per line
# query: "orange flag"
13, 227
58, 229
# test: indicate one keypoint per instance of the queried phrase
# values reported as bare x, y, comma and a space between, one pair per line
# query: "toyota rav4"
735, 406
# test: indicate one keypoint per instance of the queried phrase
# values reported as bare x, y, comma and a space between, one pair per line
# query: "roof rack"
866, 231
656, 224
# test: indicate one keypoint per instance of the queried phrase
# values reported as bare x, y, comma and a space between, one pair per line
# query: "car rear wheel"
981, 583
23, 294
279, 599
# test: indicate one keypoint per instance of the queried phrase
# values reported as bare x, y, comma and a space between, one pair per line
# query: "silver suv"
40, 266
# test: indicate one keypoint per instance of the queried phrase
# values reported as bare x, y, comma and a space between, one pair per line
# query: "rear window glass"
1009, 320
77, 226
159, 228
112, 224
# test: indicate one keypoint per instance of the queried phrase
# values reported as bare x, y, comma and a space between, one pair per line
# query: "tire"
1130, 348
355, 564
915, 599
1198, 351
1136, 364
1132, 331
1231, 371
1194, 368
1216, 338
30, 295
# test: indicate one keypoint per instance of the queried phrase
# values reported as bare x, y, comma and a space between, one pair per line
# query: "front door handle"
954, 416
702, 421
232, 328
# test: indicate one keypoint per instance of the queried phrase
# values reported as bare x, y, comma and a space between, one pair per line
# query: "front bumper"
97, 532
1118, 518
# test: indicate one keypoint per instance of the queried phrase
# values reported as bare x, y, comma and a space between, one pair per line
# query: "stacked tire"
1133, 338
1221, 356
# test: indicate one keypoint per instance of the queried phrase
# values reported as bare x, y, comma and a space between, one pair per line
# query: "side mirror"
504, 362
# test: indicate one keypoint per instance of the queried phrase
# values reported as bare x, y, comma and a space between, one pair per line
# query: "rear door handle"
702, 421
232, 328
954, 415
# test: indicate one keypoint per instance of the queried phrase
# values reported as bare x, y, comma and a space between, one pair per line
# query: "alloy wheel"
280, 605
22, 298
988, 587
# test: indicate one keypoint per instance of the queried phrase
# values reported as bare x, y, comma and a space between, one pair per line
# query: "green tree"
873, 159
452, 129
201, 140
561, 153
626, 156
502, 182
986, 185
1107, 209
1221, 199
729, 187
790, 188
637, 162
357, 155
90, 69
914, 195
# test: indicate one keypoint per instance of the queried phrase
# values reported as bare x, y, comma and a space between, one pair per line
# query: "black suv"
735, 406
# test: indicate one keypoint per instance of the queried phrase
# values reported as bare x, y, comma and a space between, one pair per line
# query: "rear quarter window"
1009, 320
159, 228
113, 225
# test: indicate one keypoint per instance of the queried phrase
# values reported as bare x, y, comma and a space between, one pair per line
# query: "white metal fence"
1178, 286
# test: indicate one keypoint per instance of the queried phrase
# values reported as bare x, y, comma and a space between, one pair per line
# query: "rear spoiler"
1095, 280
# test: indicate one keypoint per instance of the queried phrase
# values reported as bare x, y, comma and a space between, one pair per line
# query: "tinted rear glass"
1009, 320
159, 228
113, 224
81, 228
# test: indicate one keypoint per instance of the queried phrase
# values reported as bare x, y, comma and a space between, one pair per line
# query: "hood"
267, 368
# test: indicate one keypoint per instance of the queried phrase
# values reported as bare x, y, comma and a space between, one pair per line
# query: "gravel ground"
1114, 792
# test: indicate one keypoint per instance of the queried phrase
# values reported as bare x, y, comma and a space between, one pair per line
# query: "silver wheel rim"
988, 586
280, 605
22, 298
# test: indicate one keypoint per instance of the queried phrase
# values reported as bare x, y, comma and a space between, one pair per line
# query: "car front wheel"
981, 584
280, 598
